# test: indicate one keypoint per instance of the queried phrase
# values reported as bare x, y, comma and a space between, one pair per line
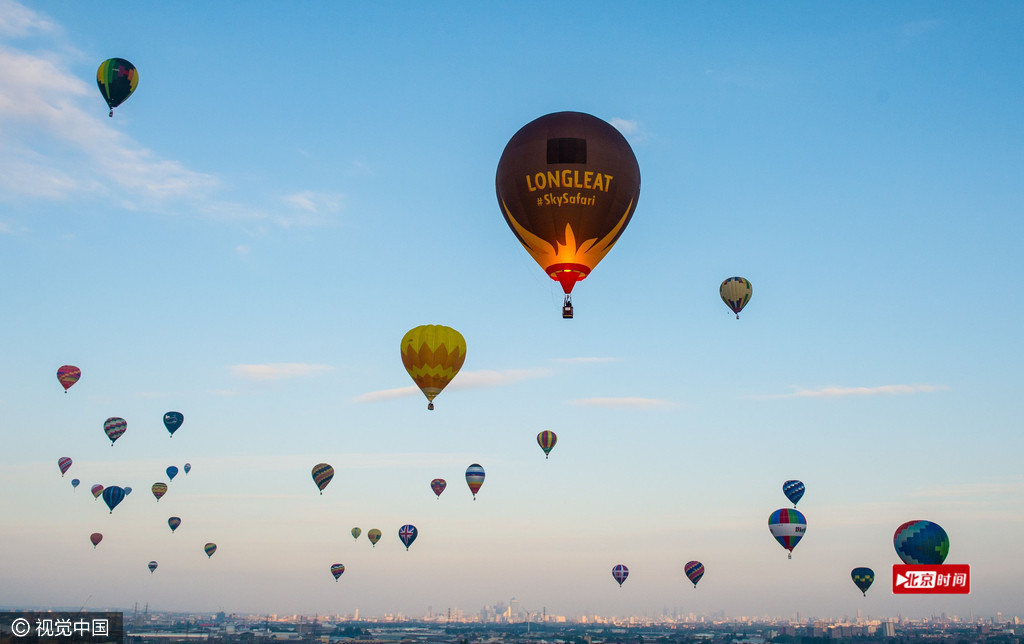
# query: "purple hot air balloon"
619, 573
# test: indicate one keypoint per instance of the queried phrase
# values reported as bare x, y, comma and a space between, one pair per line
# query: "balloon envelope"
433, 354
619, 573
117, 79
407, 534
438, 486
174, 522
96, 490
75, 482
64, 463
114, 427
863, 578
68, 375
173, 420
788, 527
172, 471
322, 475
336, 570
794, 491
112, 496
95, 537
159, 489
209, 549
694, 571
736, 292
474, 478
921, 542
187, 468
374, 536
152, 566
547, 439
356, 532
127, 490
567, 184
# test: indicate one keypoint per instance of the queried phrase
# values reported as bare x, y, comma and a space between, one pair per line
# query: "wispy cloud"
834, 391
277, 371
585, 360
630, 403
465, 380
626, 126
17, 20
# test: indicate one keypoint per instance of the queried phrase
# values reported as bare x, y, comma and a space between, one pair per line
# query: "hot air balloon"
68, 375
547, 439
438, 486
322, 475
863, 578
921, 543
174, 522
407, 534
96, 490
209, 549
336, 570
114, 427
433, 354
95, 537
74, 483
113, 495
172, 471
694, 571
619, 574
173, 420
64, 463
187, 468
117, 79
152, 566
159, 489
374, 536
788, 527
794, 491
567, 184
474, 478
127, 490
356, 532
735, 292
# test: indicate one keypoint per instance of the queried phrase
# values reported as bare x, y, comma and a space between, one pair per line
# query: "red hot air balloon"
95, 537
694, 571
567, 184
68, 375
438, 486
64, 463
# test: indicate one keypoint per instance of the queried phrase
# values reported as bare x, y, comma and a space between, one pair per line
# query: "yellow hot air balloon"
433, 354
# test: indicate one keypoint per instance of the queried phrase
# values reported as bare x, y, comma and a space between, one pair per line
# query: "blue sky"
293, 187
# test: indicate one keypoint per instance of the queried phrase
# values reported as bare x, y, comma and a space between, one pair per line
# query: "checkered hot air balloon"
322, 475
547, 439
788, 527
863, 577
736, 292
921, 543
619, 573
408, 534
433, 355
474, 478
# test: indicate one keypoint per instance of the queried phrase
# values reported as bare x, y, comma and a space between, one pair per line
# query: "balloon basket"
567, 308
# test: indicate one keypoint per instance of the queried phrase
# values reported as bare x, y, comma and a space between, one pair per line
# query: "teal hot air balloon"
173, 420
794, 491
863, 577
112, 495
171, 472
117, 79
75, 483
921, 543
174, 522
187, 468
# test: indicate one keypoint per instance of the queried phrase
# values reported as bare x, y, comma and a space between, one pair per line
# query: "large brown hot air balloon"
567, 184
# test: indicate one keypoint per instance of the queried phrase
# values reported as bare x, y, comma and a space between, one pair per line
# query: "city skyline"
291, 189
